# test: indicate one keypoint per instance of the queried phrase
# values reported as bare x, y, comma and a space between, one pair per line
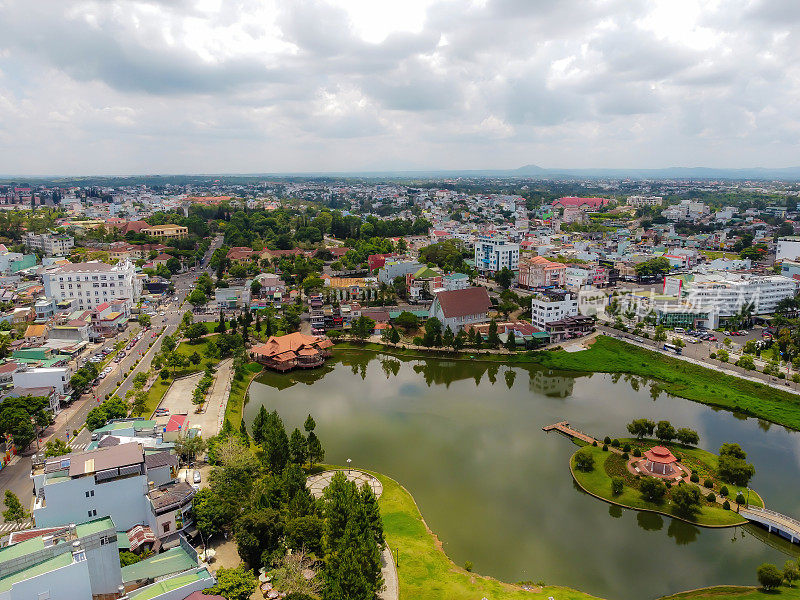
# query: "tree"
732, 467
660, 334
394, 336
448, 337
511, 342
584, 460
493, 339
641, 428
617, 485
687, 499
209, 512
220, 328
433, 332
298, 447
189, 447
144, 320
14, 510
362, 327
791, 572
504, 277
195, 331
665, 432
315, 451
56, 447
276, 443
258, 534
305, 533
407, 321
234, 584
687, 437
309, 425
96, 418
652, 490
769, 576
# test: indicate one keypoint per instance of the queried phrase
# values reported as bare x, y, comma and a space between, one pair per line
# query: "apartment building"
50, 243
645, 201
788, 248
493, 254
92, 283
167, 231
725, 294
538, 272
552, 305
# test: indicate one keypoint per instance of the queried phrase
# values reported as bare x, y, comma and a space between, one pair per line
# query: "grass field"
235, 406
424, 570
598, 483
730, 592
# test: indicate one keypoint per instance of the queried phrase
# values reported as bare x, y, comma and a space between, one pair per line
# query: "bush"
468, 566
695, 478
626, 448
726, 505
723, 491
594, 443
615, 443
584, 460
74, 433
709, 484
740, 499
605, 447
711, 497
712, 355
637, 453
781, 375
606, 440
625, 456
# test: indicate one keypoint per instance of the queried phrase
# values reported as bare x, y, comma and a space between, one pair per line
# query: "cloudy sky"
235, 86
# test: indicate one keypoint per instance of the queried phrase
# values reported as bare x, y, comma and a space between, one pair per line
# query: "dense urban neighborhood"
136, 314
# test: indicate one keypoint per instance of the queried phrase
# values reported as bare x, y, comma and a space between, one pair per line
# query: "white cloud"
113, 86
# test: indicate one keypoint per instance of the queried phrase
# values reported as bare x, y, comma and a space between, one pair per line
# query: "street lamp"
748, 496
348, 465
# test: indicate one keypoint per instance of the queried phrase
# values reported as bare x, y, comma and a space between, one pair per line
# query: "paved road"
16, 477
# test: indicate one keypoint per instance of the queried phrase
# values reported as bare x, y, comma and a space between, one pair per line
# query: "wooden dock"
564, 428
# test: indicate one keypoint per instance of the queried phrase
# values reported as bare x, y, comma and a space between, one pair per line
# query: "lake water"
465, 439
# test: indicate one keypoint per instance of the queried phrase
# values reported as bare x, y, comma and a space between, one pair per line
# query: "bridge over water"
774, 522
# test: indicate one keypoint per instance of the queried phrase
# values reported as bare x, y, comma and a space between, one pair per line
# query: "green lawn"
424, 570
730, 592
598, 482
233, 410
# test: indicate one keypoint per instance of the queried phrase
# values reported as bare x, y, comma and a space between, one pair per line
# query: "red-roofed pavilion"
659, 460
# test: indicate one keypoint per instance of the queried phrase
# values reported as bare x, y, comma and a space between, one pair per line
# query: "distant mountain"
761, 173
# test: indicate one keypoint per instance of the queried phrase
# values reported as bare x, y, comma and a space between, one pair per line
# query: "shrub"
626, 448
711, 497
709, 484
726, 505
468, 566
695, 478
584, 460
712, 355
740, 499
625, 456
781, 375
605, 447
637, 453
723, 491
594, 443
694, 471
606, 440
74, 432
615, 443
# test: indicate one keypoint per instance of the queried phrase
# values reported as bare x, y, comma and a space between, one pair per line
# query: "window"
166, 526
92, 513
104, 540
90, 494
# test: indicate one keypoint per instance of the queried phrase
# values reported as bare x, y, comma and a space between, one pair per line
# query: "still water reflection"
465, 438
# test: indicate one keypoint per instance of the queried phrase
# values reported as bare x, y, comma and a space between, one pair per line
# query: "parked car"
196, 477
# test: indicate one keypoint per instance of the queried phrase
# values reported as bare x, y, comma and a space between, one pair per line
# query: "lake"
465, 438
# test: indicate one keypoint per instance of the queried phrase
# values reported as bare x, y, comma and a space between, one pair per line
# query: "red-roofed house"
538, 272
293, 350
176, 426
376, 261
161, 259
459, 309
585, 203
241, 254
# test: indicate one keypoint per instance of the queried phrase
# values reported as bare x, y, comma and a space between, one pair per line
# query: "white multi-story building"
44, 377
492, 254
724, 294
93, 283
50, 243
553, 305
645, 200
788, 248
